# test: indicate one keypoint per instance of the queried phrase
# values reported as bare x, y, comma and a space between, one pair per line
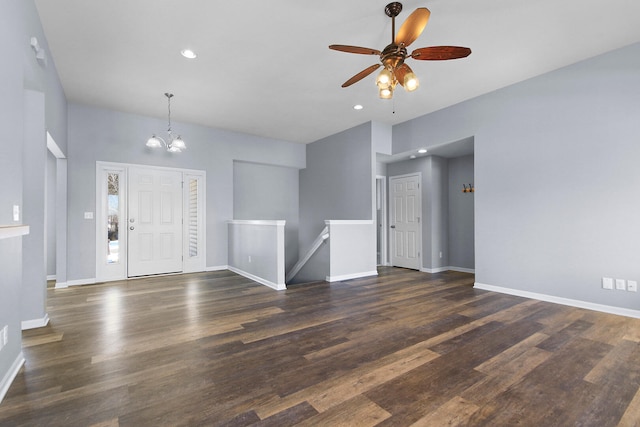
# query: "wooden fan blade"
354, 49
361, 75
400, 72
440, 53
413, 26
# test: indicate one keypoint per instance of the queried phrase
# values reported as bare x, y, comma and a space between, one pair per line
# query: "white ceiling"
264, 67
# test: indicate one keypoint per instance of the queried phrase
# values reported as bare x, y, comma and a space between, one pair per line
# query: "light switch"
632, 286
88, 215
607, 283
16, 213
621, 285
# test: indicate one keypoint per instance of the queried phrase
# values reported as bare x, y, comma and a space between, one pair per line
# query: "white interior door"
154, 223
406, 229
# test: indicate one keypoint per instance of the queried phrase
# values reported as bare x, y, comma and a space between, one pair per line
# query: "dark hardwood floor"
404, 348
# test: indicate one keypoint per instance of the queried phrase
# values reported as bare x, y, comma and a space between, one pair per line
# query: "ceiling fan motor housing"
393, 56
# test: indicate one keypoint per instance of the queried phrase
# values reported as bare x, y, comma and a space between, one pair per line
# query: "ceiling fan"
394, 55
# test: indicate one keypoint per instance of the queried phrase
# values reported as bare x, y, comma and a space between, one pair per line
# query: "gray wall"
11, 118
439, 214
34, 275
461, 206
337, 183
111, 136
556, 170
19, 21
50, 217
268, 192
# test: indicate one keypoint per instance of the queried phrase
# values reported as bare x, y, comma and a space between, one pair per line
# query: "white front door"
406, 229
154, 223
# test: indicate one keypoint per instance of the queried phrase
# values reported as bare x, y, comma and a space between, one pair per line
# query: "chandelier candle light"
175, 144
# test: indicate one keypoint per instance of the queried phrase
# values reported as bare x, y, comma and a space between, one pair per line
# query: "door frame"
420, 218
109, 272
383, 228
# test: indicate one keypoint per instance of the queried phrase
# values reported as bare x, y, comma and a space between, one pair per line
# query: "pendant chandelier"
174, 144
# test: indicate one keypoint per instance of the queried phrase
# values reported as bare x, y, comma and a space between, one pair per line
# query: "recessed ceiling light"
413, 156
188, 53
358, 107
422, 150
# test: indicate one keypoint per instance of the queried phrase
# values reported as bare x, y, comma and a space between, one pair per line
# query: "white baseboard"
434, 270
351, 276
276, 286
217, 268
51, 277
448, 268
559, 300
462, 269
35, 323
78, 282
11, 375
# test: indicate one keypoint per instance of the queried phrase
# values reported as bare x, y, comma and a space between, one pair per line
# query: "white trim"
351, 276
463, 269
80, 282
276, 286
11, 375
217, 268
559, 300
448, 268
53, 147
61, 285
7, 231
51, 277
35, 323
279, 222
434, 270
384, 228
349, 222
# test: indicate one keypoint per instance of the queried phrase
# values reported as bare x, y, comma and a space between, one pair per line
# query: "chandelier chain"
169, 96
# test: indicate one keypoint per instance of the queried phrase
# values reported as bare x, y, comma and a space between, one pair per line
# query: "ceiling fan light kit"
393, 57
175, 144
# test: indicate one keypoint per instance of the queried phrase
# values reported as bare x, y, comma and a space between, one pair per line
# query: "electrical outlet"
16, 213
632, 286
5, 335
621, 284
249, 258
607, 283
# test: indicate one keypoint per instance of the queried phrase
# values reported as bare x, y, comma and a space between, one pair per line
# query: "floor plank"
402, 348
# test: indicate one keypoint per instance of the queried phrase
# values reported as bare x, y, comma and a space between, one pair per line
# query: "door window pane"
113, 217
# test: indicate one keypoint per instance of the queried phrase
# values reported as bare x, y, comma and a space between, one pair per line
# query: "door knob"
393, 226
131, 228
